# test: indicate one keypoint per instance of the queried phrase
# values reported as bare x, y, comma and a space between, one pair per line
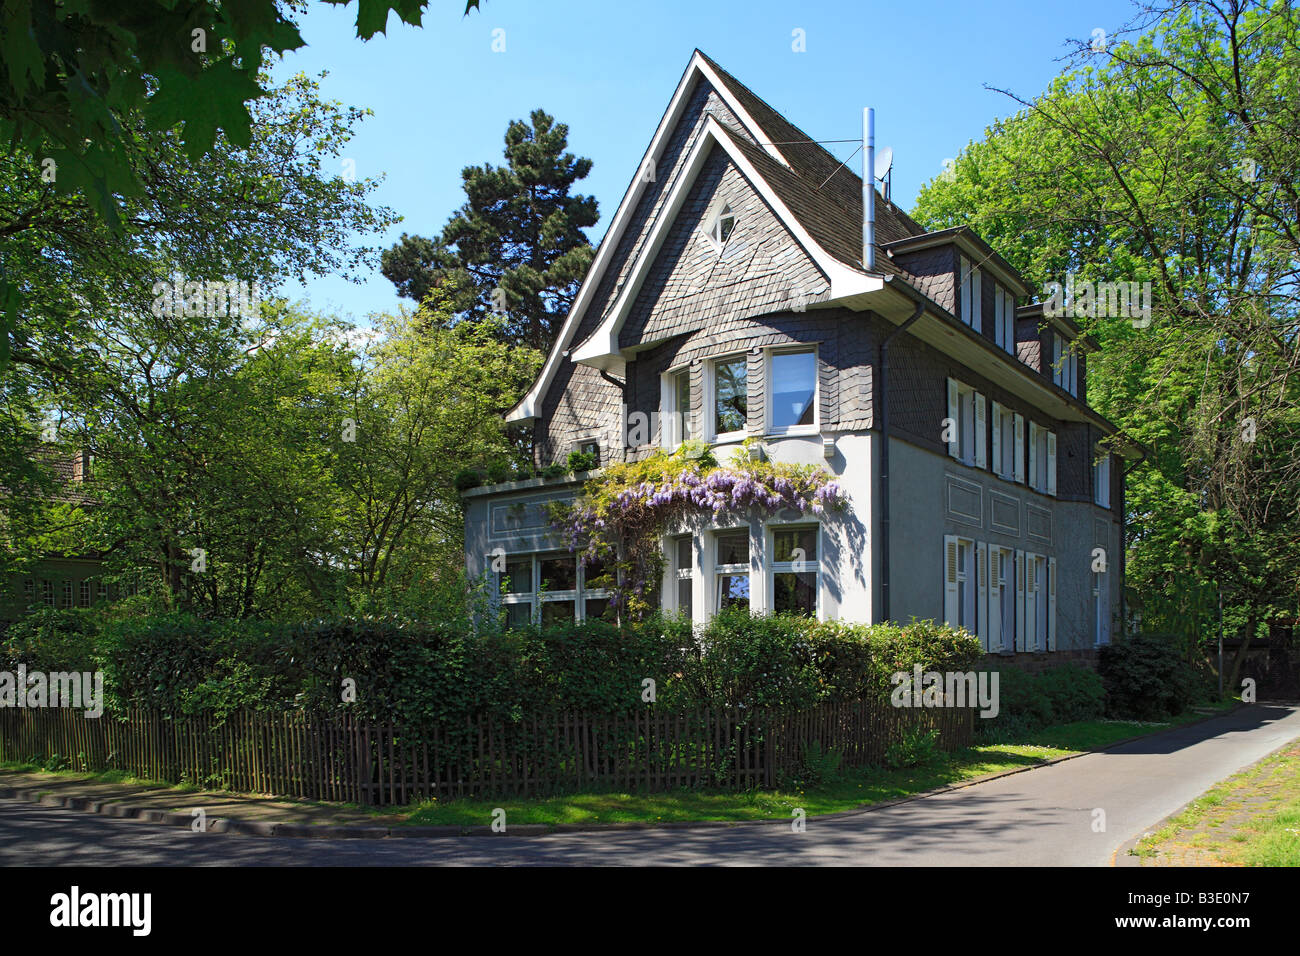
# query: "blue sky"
442, 97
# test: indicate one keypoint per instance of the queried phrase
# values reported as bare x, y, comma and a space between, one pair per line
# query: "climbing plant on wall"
622, 513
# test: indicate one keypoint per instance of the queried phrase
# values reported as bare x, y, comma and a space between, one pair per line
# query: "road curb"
346, 831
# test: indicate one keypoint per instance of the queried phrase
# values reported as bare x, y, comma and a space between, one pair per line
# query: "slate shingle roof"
821, 192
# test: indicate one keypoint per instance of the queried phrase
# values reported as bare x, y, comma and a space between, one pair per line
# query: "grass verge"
1250, 819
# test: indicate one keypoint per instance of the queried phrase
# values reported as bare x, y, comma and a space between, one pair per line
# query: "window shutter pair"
950, 579
1019, 600
1051, 604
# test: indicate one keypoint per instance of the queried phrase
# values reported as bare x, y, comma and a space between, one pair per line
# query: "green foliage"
1170, 158
1148, 677
516, 246
1074, 693
579, 461
916, 748
820, 766
1028, 702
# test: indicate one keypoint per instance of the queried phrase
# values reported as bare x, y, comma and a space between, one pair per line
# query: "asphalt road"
1042, 817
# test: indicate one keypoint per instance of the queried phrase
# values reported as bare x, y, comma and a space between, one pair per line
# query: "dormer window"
1065, 364
724, 223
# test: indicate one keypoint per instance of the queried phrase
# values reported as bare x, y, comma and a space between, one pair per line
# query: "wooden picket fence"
342, 758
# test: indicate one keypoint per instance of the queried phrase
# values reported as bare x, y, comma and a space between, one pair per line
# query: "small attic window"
724, 223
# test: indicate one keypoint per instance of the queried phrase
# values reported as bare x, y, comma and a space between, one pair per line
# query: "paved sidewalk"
158, 803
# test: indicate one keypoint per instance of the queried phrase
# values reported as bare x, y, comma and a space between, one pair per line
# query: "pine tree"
517, 241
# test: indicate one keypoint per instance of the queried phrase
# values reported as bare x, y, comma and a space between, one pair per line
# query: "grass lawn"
1251, 819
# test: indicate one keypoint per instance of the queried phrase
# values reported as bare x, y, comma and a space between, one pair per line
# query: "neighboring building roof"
67, 470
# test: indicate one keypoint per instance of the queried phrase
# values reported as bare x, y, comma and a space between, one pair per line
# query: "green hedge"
420, 673
1059, 695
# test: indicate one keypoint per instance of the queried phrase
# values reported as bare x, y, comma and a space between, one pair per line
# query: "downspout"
883, 484
869, 189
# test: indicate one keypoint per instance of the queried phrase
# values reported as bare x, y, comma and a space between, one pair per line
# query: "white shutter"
996, 418
999, 314
1019, 471
981, 432
1033, 457
954, 446
977, 303
1020, 600
950, 579
995, 600
1051, 463
1051, 604
982, 590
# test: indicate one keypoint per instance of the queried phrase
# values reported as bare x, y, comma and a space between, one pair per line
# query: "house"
746, 285
59, 579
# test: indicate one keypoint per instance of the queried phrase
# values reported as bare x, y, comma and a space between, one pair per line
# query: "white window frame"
1065, 364
1048, 485
1002, 599
1101, 481
711, 393
536, 597
971, 295
1003, 426
680, 572
960, 397
731, 570
1004, 320
711, 225
769, 384
775, 567
959, 584
1100, 609
674, 424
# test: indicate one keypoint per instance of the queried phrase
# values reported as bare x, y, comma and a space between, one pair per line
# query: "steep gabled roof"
823, 192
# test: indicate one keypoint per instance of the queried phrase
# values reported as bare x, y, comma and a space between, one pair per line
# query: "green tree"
517, 243
1171, 158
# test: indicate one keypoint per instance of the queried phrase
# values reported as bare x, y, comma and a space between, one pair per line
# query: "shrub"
1147, 678
1074, 693
579, 461
915, 748
819, 766
467, 478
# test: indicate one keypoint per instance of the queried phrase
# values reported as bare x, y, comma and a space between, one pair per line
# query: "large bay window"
552, 589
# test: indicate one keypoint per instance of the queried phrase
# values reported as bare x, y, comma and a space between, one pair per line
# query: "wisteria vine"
622, 513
